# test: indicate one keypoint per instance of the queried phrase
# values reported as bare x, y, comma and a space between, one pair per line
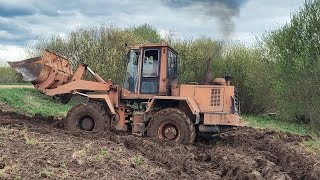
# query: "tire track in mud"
278, 148
245, 153
236, 163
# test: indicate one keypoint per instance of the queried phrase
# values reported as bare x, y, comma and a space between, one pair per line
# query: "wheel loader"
150, 102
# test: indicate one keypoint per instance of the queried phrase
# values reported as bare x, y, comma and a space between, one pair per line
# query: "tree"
295, 48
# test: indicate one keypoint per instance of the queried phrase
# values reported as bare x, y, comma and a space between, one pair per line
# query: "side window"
150, 65
131, 78
172, 65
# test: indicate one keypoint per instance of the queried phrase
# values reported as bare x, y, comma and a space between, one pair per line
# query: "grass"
31, 102
285, 126
313, 145
137, 160
101, 154
18, 178
279, 125
45, 173
31, 141
15, 83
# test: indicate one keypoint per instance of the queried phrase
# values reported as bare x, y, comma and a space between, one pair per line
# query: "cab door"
150, 71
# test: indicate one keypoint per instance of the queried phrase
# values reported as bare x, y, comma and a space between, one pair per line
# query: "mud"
39, 147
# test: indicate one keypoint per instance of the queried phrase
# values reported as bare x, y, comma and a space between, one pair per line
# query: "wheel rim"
169, 131
86, 123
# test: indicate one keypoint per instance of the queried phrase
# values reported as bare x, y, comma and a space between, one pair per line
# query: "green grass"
31, 141
137, 160
45, 173
102, 153
15, 83
279, 125
313, 145
31, 102
285, 126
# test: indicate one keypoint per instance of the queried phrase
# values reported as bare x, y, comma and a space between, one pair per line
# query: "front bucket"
29, 68
45, 72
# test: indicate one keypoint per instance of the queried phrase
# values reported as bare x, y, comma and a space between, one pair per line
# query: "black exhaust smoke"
222, 10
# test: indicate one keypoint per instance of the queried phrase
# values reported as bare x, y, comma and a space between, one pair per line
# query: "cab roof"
151, 45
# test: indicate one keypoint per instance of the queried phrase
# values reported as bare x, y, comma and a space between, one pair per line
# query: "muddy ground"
37, 148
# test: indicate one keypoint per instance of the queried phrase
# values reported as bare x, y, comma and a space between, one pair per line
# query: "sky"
22, 22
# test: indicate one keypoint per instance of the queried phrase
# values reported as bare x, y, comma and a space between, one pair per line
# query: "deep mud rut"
36, 148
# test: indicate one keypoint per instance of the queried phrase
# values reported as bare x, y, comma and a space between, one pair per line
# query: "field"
36, 145
276, 77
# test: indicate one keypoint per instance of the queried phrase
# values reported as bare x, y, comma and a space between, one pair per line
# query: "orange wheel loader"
150, 102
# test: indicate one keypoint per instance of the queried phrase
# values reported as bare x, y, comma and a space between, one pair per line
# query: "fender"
106, 97
192, 104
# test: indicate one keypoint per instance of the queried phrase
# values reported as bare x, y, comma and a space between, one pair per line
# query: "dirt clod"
2, 165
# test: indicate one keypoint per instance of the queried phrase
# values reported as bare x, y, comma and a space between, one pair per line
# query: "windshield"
131, 79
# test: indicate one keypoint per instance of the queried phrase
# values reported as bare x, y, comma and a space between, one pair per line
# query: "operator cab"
151, 69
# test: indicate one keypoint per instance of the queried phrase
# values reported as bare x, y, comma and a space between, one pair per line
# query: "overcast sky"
22, 21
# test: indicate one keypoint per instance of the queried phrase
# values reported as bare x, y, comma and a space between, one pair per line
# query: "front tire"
173, 125
88, 117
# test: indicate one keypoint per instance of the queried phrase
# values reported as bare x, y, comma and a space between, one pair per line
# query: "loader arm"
75, 86
76, 83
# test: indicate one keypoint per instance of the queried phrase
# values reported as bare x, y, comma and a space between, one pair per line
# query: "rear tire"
173, 125
88, 117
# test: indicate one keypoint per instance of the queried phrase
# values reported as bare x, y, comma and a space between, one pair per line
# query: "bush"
251, 76
9, 75
295, 50
193, 57
250, 71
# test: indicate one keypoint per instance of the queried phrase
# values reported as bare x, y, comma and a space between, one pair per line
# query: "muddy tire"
173, 125
87, 117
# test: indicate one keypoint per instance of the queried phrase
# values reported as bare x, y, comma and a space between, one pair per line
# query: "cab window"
131, 78
150, 64
172, 65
